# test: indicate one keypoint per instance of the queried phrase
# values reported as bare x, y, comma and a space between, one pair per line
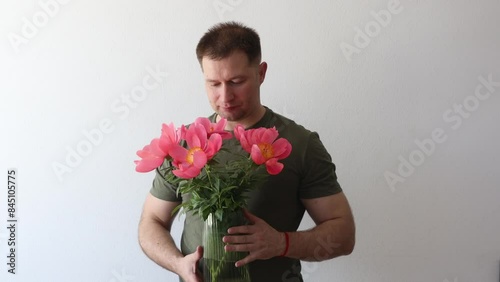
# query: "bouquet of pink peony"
215, 178
216, 186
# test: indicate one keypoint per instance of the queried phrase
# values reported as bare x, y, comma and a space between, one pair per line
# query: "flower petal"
224, 134
170, 133
268, 135
178, 153
243, 135
157, 150
256, 155
145, 153
273, 166
147, 165
239, 131
203, 121
199, 159
282, 148
213, 145
220, 125
188, 173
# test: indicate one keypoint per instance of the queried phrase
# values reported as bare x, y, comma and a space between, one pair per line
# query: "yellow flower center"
266, 150
190, 154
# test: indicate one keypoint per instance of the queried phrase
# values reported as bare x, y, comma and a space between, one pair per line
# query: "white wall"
438, 222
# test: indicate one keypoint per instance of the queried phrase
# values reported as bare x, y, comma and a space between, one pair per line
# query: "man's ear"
262, 71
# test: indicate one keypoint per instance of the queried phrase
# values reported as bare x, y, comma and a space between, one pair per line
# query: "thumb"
198, 253
195, 257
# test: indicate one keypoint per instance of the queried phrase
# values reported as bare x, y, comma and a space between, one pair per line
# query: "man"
230, 58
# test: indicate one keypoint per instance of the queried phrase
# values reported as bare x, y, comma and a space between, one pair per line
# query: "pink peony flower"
153, 154
169, 136
243, 136
212, 128
200, 149
152, 157
263, 147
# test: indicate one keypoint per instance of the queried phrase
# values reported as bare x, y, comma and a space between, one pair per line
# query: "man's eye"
236, 82
214, 84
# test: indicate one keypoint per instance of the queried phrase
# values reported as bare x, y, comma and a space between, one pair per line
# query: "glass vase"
218, 265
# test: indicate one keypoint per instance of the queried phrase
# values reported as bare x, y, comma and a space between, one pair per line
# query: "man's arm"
157, 243
333, 235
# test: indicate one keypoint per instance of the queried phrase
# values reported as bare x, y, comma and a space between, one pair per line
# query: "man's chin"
229, 117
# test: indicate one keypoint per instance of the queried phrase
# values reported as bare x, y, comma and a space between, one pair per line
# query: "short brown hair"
224, 38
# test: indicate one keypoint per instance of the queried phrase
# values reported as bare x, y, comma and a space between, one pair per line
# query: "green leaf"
218, 214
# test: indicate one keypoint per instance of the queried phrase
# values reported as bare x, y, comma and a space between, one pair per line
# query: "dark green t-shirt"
308, 173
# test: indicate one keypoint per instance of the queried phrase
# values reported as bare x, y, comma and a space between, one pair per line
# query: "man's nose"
226, 93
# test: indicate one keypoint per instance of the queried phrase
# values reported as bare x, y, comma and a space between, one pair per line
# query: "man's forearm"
330, 239
158, 244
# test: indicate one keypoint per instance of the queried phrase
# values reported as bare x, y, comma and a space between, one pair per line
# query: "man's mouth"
229, 108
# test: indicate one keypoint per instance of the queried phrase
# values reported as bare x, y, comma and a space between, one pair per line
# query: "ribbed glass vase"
218, 265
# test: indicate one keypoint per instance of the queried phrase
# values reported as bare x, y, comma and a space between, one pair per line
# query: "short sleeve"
162, 189
318, 178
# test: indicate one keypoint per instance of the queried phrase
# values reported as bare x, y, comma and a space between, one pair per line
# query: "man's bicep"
159, 210
329, 207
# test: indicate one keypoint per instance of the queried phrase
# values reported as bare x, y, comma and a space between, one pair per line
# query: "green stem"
207, 171
243, 179
216, 272
219, 259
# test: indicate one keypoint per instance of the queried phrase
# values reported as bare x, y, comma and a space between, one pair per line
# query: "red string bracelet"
287, 244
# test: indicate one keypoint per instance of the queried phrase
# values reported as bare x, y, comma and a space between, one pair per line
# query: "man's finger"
239, 248
246, 260
243, 229
239, 239
251, 217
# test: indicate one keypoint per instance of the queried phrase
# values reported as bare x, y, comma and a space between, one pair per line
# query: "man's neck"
246, 122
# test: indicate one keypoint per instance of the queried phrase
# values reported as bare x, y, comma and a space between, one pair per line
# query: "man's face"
233, 87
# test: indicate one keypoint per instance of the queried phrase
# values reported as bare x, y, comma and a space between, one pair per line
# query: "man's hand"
259, 239
188, 268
